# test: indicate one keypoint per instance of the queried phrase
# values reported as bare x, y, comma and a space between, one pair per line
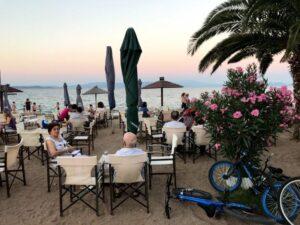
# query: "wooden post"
162, 96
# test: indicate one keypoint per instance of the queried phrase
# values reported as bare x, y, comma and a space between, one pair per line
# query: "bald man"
129, 146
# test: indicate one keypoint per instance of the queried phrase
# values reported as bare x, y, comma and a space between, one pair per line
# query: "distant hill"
184, 83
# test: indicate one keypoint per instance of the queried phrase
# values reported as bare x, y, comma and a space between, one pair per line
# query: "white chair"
153, 130
11, 164
78, 172
199, 140
128, 174
85, 138
32, 144
166, 158
51, 166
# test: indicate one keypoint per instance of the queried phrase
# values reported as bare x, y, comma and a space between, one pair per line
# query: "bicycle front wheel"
223, 176
289, 200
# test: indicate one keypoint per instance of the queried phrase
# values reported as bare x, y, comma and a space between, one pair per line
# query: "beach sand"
32, 204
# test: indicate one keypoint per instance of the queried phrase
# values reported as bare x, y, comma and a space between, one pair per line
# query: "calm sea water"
47, 97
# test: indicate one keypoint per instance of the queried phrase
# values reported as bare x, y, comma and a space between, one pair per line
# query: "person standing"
28, 105
183, 101
34, 108
14, 108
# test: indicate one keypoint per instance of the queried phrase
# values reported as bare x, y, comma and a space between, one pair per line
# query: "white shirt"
174, 124
129, 151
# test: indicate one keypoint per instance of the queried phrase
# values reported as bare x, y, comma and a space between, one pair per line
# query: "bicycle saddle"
275, 170
192, 193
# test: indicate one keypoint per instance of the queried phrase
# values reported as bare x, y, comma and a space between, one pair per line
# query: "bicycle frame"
213, 203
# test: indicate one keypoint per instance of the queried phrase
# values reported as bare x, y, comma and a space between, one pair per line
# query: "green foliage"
245, 115
260, 28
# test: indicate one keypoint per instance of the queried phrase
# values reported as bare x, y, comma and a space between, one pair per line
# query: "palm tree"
259, 28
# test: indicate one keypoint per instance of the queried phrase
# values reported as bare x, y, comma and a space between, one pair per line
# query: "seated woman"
145, 110
56, 145
9, 121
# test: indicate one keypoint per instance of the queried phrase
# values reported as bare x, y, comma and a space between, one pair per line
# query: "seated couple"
56, 144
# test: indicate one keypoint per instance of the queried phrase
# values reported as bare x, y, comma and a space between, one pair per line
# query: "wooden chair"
165, 157
130, 175
11, 164
78, 172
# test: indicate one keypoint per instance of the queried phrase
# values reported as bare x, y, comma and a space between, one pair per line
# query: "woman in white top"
56, 145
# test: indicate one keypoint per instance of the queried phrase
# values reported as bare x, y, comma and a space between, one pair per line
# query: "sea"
47, 97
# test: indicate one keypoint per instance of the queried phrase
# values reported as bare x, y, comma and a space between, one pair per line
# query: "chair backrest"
77, 124
128, 169
174, 143
201, 137
12, 153
78, 169
179, 132
30, 139
150, 123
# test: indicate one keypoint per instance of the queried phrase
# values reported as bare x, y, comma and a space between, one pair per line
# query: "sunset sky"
53, 41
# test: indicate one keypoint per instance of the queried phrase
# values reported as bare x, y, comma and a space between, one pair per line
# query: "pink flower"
207, 103
214, 107
261, 98
255, 112
197, 113
193, 100
239, 69
252, 99
243, 99
217, 146
237, 115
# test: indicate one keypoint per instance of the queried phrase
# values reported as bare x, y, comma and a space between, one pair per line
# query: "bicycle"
213, 208
225, 175
289, 200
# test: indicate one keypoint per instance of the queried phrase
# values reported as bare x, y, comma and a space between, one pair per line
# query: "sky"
49, 42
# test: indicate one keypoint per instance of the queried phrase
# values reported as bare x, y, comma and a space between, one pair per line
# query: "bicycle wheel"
248, 216
269, 201
222, 177
289, 200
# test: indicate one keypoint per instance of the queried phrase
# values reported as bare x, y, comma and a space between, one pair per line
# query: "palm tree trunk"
295, 70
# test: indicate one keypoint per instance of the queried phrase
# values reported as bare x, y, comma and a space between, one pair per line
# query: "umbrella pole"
162, 96
95, 101
1, 101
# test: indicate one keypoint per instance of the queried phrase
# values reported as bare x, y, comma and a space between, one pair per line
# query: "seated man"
64, 114
174, 123
129, 147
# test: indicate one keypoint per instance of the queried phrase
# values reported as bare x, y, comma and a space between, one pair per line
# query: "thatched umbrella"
162, 83
95, 91
8, 89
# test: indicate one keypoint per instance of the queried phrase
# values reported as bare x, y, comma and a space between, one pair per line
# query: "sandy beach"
32, 204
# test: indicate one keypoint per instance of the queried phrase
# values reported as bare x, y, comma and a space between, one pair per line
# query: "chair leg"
48, 178
150, 177
146, 189
111, 198
23, 167
174, 173
0, 180
60, 196
7, 184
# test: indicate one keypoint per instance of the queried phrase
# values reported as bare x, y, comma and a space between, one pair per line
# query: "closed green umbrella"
130, 54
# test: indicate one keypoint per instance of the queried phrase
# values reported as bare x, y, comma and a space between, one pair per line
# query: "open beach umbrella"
162, 83
66, 95
78, 98
6, 102
140, 92
110, 77
95, 91
9, 90
130, 55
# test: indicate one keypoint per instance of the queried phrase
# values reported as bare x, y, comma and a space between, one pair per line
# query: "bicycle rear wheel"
289, 201
248, 216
